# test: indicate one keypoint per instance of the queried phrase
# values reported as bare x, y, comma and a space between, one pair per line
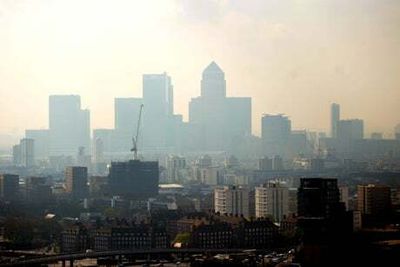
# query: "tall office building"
42, 140
232, 200
27, 148
9, 186
317, 197
335, 117
348, 130
322, 218
272, 200
126, 111
219, 121
76, 179
275, 133
69, 125
373, 199
98, 151
16, 153
134, 179
158, 110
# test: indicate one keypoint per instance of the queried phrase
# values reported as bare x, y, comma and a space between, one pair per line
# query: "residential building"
272, 201
232, 200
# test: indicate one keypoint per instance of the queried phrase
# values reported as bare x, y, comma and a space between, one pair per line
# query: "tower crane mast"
135, 138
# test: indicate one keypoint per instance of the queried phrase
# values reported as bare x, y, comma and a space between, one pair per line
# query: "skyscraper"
76, 179
158, 110
69, 125
126, 118
317, 197
335, 117
349, 131
16, 151
220, 122
27, 150
275, 133
272, 200
42, 140
213, 84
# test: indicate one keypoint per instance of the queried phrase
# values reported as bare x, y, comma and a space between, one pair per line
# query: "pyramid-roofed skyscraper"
218, 119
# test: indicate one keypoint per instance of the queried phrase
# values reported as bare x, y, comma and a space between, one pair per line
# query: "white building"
176, 169
272, 200
27, 152
232, 200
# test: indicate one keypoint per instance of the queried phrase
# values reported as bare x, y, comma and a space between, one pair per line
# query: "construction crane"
135, 139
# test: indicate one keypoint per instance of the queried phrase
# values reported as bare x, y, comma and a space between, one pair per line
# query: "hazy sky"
293, 57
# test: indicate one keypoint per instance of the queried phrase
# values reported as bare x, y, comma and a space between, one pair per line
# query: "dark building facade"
217, 235
76, 179
37, 190
9, 186
323, 221
256, 234
75, 238
134, 178
317, 196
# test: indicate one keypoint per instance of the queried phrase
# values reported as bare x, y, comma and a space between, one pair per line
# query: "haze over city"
291, 57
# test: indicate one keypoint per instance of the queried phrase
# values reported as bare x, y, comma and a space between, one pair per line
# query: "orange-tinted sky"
291, 56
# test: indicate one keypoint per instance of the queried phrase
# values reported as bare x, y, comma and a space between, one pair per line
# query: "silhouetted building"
38, 190
275, 133
322, 219
16, 153
219, 121
42, 141
9, 186
317, 197
374, 199
27, 152
76, 181
350, 129
134, 178
158, 110
377, 136
69, 125
335, 117
265, 164
126, 112
277, 163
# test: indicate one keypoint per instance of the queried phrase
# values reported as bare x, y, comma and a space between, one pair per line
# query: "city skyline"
353, 62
